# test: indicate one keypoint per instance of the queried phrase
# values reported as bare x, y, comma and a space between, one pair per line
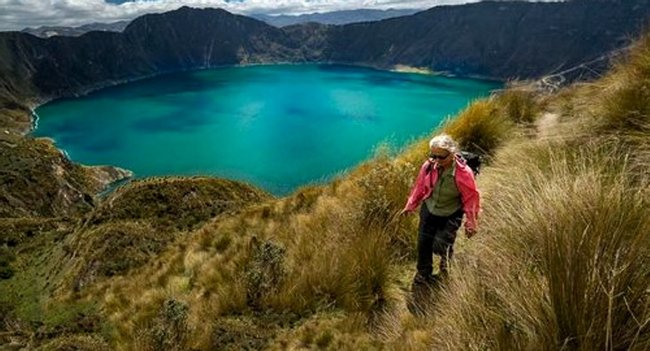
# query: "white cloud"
18, 14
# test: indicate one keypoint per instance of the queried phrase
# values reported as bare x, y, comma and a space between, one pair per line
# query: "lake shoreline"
104, 85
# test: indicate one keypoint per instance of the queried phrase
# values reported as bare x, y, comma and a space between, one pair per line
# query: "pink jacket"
464, 181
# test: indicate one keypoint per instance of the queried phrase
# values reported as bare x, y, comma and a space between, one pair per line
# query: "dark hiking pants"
436, 235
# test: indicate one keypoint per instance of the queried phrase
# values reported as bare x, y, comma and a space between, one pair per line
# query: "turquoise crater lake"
276, 126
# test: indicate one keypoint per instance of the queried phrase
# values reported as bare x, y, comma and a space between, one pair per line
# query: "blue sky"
18, 14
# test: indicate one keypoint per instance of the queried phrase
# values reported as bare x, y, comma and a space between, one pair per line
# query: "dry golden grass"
76, 342
328, 331
319, 249
518, 105
562, 260
564, 255
480, 128
626, 92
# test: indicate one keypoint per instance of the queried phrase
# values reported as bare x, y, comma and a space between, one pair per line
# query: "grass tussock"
627, 91
480, 128
354, 275
486, 124
564, 258
519, 105
327, 331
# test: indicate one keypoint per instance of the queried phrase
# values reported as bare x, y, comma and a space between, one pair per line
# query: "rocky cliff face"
502, 40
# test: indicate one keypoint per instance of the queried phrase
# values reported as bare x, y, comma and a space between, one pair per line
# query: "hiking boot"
421, 292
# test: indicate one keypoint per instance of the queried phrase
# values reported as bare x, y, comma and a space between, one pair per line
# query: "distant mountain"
35, 69
498, 39
501, 40
50, 31
335, 17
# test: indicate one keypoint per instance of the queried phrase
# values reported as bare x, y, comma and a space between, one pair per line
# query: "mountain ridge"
49, 31
438, 38
498, 40
334, 17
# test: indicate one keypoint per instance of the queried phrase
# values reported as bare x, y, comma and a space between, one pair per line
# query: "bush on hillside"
518, 106
264, 272
480, 128
168, 330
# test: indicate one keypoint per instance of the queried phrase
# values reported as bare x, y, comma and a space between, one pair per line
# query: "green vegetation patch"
14, 232
28, 309
80, 342
176, 203
6, 258
34, 259
113, 249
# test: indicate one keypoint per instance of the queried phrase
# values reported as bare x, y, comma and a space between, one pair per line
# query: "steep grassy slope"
561, 262
42, 258
562, 259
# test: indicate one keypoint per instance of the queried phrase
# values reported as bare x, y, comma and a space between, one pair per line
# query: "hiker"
446, 186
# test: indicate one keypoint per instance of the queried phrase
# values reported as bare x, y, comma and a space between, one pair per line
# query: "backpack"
472, 160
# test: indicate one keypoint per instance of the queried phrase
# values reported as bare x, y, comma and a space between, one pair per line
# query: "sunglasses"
438, 157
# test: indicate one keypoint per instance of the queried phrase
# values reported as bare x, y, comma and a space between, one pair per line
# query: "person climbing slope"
447, 187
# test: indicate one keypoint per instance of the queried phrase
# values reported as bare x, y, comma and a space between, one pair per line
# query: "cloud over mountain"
18, 14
